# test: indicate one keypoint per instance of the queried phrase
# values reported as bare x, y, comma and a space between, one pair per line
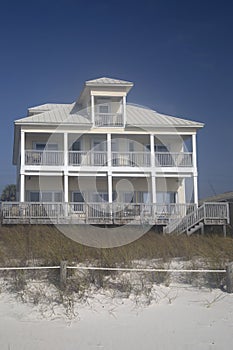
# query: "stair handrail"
199, 214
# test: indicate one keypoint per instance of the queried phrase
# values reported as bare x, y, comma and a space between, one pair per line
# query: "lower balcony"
92, 213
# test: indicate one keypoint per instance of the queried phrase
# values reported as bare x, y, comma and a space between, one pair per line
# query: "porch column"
93, 109
22, 149
194, 150
153, 187
195, 182
109, 149
66, 191
195, 189
66, 150
110, 187
22, 164
124, 110
22, 187
152, 150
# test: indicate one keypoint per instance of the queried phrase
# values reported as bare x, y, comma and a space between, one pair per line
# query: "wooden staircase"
207, 214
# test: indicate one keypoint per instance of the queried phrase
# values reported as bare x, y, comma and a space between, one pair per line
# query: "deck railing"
109, 119
173, 159
35, 157
131, 159
206, 212
97, 158
87, 158
159, 213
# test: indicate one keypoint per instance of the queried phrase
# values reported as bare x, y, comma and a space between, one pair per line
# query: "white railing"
131, 159
85, 158
172, 159
35, 157
109, 119
97, 158
92, 211
14, 210
207, 211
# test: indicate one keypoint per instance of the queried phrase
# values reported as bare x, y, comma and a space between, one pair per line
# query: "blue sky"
179, 54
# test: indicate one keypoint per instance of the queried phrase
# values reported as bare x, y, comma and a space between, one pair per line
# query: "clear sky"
179, 54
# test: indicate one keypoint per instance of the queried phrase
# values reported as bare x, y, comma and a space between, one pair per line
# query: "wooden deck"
92, 213
174, 217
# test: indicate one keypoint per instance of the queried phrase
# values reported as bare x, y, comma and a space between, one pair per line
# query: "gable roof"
136, 116
107, 81
222, 197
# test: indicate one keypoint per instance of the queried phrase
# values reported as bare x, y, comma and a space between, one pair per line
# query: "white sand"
179, 317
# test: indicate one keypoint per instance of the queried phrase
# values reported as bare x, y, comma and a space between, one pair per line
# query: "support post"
66, 150
22, 164
195, 189
224, 231
22, 187
110, 187
153, 188
195, 185
152, 150
93, 109
109, 149
229, 277
124, 110
63, 274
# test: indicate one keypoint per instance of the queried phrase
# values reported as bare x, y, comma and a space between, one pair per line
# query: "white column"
152, 150
109, 149
110, 187
66, 150
22, 164
195, 182
153, 188
124, 110
66, 191
22, 187
22, 149
93, 109
195, 189
194, 149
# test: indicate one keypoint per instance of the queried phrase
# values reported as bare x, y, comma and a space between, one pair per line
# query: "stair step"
195, 228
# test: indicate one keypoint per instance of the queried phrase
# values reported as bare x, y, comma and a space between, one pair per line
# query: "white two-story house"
102, 152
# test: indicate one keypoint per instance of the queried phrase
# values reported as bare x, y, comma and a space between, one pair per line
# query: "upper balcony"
109, 120
100, 158
108, 112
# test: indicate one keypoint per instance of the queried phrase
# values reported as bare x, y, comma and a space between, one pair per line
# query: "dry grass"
20, 244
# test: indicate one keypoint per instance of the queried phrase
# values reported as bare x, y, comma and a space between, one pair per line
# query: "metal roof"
58, 115
222, 197
107, 81
142, 116
46, 107
136, 116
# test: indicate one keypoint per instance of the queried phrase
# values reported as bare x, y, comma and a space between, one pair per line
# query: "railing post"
63, 274
229, 277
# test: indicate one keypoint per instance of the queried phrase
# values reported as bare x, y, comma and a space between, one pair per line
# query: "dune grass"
44, 244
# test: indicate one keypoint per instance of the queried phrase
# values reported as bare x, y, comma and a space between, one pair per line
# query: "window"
77, 197
100, 197
129, 197
41, 146
45, 196
166, 197
103, 105
34, 197
161, 148
131, 146
104, 109
158, 148
76, 146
